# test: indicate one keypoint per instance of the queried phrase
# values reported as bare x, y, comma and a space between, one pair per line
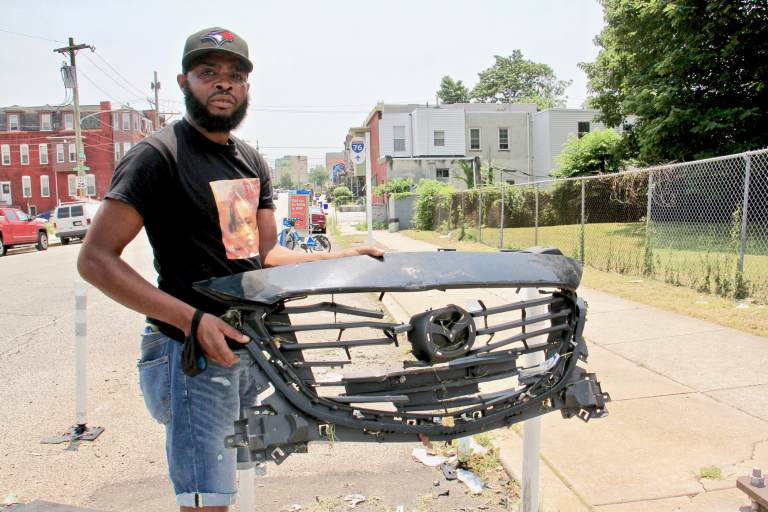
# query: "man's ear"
182, 80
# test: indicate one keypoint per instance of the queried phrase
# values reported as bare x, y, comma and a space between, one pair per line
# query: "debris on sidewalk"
421, 455
471, 480
354, 499
293, 508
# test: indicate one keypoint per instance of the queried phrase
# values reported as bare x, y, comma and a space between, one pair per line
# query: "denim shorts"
197, 412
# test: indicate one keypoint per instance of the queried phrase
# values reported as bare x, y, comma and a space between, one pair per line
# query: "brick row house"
37, 151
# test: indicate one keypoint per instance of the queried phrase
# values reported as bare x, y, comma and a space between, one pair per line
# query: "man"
223, 223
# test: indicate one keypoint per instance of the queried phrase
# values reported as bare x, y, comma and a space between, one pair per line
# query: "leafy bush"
431, 193
341, 195
394, 186
597, 152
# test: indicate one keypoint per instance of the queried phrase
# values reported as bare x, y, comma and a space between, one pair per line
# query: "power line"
118, 73
110, 77
31, 36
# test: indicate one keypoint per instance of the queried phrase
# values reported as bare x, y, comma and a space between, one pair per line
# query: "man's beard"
210, 122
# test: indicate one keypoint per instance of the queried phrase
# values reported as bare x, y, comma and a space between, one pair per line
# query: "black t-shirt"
199, 201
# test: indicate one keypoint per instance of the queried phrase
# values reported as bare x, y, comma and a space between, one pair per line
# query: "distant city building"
295, 166
37, 151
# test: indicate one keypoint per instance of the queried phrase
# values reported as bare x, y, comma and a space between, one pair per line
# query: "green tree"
597, 152
693, 73
453, 91
285, 181
515, 79
319, 175
468, 171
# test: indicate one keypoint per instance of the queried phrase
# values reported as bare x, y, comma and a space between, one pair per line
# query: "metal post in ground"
368, 186
581, 244
501, 219
529, 501
480, 215
536, 217
745, 212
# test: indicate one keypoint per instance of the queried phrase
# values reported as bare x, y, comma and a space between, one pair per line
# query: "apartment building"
37, 151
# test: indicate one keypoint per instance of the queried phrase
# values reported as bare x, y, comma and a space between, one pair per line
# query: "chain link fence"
701, 224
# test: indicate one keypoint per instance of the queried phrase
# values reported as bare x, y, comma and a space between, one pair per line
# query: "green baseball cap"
215, 39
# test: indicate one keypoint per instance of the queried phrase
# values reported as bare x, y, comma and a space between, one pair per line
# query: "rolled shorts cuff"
205, 499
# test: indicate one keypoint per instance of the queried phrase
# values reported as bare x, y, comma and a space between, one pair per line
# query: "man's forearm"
279, 255
120, 282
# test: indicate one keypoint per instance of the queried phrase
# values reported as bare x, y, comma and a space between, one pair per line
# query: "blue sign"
358, 147
339, 167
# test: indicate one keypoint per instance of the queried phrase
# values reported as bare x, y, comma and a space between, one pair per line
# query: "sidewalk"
687, 395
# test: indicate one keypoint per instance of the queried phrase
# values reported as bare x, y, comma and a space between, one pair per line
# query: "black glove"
193, 360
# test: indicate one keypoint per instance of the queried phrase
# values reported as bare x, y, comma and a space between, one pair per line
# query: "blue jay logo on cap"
218, 37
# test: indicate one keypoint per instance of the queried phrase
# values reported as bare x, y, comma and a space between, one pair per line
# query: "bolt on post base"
75, 433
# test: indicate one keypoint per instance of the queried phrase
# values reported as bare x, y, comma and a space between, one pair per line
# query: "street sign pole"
368, 191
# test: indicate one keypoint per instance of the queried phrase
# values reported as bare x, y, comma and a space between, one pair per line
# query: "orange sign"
299, 209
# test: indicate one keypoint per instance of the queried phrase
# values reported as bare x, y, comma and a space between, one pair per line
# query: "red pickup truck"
18, 228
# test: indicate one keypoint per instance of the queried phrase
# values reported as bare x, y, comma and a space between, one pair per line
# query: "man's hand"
363, 251
211, 333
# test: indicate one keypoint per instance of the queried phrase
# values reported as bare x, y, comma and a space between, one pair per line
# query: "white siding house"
395, 123
438, 132
551, 129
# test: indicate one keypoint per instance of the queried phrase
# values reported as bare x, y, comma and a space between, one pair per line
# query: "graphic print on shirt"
237, 202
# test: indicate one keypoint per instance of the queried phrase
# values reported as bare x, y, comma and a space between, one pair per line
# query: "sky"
320, 66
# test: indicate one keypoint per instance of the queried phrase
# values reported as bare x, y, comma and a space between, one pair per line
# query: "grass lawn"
748, 317
620, 247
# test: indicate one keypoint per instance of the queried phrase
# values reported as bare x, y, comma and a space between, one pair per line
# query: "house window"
398, 138
60, 153
439, 138
441, 173
503, 139
45, 121
90, 184
26, 186
126, 121
45, 186
583, 128
474, 139
13, 122
69, 120
135, 122
72, 185
6, 151
24, 150
116, 121
72, 153
126, 147
117, 151
43, 151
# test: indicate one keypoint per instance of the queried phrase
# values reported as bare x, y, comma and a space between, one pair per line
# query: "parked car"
17, 228
46, 215
317, 216
72, 220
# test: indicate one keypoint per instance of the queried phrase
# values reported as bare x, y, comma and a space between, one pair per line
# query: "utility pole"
80, 431
156, 87
71, 50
